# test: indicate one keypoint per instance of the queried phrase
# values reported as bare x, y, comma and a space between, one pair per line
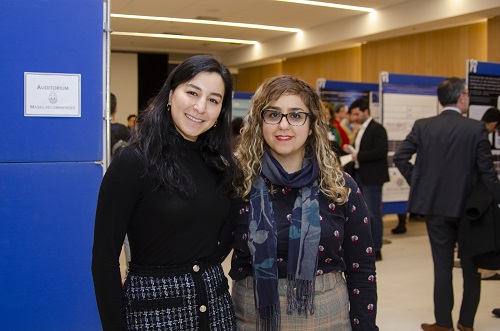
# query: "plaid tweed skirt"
331, 302
192, 297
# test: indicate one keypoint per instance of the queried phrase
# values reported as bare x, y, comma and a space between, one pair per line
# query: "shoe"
399, 229
378, 256
417, 217
496, 312
434, 327
492, 277
463, 328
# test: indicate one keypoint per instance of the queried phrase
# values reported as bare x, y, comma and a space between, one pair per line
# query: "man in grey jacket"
453, 153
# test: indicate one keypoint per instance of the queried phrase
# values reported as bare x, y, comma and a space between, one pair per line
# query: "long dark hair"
161, 146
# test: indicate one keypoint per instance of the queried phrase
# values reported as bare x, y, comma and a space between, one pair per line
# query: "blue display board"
50, 167
51, 36
46, 215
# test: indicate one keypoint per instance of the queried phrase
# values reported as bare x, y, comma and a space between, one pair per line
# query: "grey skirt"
331, 302
192, 297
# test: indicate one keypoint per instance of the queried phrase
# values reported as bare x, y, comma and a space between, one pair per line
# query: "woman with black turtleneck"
169, 191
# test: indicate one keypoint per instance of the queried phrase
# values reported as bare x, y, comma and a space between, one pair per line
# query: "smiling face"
196, 104
286, 142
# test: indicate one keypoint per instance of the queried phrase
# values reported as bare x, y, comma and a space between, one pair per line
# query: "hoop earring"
215, 124
169, 107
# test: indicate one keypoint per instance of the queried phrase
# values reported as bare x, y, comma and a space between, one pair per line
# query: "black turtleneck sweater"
163, 228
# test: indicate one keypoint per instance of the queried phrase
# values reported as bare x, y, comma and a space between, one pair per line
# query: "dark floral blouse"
346, 246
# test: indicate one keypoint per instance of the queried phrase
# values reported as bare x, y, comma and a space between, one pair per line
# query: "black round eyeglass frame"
308, 115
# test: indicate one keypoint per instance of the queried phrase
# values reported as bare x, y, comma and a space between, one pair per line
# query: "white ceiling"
323, 29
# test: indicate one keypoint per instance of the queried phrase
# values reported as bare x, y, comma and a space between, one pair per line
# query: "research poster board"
404, 99
241, 103
483, 82
334, 91
395, 192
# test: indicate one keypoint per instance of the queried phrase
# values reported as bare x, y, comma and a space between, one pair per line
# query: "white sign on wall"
52, 94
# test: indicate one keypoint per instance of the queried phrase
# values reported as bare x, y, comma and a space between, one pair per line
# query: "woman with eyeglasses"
303, 255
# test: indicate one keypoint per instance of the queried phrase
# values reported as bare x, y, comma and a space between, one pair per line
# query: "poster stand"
483, 81
241, 103
403, 100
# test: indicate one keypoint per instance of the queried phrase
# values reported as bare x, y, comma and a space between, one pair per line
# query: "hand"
349, 149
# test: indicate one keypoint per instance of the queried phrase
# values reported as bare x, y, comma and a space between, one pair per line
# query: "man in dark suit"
370, 166
453, 152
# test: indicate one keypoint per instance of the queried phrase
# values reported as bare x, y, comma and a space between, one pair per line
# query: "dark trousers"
443, 236
373, 199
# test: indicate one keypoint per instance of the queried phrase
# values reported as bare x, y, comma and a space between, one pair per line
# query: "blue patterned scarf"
303, 242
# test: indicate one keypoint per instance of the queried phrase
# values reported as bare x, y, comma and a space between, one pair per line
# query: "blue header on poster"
400, 79
488, 68
410, 89
242, 95
349, 86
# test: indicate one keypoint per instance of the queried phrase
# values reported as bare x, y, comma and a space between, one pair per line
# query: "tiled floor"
405, 283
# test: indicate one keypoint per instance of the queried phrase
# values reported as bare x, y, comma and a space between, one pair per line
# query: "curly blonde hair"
252, 144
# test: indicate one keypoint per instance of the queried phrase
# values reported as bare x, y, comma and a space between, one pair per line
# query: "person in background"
340, 112
351, 127
335, 128
236, 125
491, 119
331, 136
131, 120
453, 153
303, 254
370, 165
169, 189
118, 130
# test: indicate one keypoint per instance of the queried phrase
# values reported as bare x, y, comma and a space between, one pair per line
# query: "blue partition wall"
47, 213
50, 167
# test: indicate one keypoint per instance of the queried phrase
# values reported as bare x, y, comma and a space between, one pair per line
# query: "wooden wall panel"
337, 65
249, 79
436, 53
494, 39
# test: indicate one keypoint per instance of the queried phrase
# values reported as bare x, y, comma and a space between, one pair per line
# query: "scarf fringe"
272, 319
300, 296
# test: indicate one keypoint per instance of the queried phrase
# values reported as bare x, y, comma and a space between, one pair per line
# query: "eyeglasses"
294, 118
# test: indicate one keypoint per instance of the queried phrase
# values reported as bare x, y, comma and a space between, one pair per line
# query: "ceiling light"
195, 21
331, 5
174, 36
